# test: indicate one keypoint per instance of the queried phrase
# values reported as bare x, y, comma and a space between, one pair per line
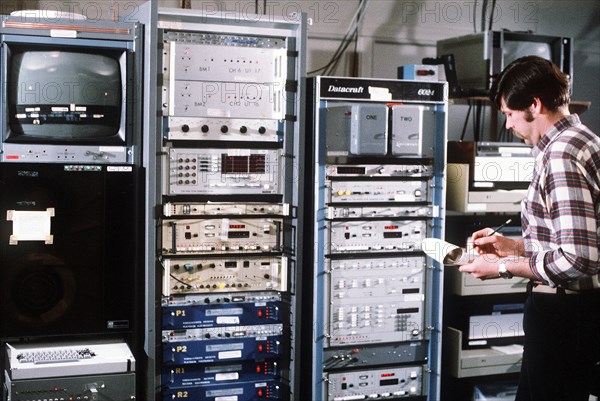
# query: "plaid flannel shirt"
561, 212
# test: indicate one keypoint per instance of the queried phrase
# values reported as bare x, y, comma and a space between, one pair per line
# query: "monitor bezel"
124, 134
560, 49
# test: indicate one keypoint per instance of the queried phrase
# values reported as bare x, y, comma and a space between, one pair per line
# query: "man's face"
522, 123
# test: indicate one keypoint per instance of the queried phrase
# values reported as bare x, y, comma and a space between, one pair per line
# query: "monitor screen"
480, 57
65, 95
514, 49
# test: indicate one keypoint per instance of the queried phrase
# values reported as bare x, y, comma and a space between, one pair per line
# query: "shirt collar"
561, 125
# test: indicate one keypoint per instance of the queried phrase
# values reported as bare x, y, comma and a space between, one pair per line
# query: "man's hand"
496, 244
483, 267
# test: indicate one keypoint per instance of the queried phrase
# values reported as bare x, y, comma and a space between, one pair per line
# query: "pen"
499, 227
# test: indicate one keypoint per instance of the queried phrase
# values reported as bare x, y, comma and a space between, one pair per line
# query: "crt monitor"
480, 57
68, 91
65, 95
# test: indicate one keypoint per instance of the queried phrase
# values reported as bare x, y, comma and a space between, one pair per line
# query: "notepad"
446, 253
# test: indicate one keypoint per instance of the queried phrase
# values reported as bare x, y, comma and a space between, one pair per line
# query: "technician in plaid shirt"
561, 235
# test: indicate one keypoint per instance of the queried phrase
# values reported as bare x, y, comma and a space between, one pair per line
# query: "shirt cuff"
536, 264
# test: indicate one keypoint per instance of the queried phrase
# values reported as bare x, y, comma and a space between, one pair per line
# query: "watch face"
502, 272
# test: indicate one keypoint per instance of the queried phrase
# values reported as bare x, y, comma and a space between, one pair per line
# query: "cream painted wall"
396, 32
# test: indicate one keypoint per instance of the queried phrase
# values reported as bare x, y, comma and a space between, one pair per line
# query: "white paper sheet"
30, 225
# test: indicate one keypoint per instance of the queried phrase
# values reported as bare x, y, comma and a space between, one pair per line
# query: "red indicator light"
260, 348
258, 369
259, 392
425, 72
260, 313
12, 157
388, 374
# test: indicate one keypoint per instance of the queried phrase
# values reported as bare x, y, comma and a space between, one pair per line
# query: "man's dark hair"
527, 78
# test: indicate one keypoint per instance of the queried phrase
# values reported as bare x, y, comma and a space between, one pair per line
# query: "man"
561, 229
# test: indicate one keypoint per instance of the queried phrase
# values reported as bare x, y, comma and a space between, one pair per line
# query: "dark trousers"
561, 348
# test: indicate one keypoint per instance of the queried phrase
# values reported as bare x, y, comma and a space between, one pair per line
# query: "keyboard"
55, 356
30, 361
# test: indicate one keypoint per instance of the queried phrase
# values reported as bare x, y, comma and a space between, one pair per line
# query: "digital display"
234, 226
401, 311
351, 170
388, 382
239, 234
397, 234
255, 164
391, 227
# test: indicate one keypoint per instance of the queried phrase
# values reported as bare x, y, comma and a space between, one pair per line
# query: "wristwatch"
502, 272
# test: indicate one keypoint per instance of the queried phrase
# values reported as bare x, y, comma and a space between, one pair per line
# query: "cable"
482, 128
162, 265
352, 38
354, 66
464, 130
483, 11
332, 67
348, 37
477, 122
475, 17
343, 44
492, 15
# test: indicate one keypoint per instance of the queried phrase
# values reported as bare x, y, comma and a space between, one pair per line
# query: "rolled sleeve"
536, 263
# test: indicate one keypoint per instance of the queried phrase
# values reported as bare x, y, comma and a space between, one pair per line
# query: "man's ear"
536, 106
